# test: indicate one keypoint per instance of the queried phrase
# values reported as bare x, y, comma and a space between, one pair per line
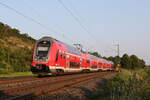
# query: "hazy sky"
108, 22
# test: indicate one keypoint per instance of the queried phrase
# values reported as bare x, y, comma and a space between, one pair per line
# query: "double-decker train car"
51, 56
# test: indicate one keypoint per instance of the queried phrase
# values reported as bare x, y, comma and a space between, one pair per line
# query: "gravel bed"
80, 91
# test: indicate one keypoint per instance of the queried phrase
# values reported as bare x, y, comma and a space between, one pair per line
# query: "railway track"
12, 83
47, 85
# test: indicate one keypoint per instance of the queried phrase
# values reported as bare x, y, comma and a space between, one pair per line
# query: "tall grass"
17, 74
128, 85
135, 87
129, 89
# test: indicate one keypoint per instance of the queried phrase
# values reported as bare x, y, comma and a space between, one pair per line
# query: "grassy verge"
128, 85
17, 74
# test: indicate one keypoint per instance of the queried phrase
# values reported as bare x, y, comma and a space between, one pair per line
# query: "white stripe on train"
74, 69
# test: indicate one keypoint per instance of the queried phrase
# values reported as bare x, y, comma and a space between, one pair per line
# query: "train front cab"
41, 57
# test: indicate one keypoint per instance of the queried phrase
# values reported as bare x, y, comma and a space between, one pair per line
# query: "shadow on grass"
4, 96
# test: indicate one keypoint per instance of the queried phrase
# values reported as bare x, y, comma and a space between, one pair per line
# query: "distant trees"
128, 62
125, 61
117, 60
134, 62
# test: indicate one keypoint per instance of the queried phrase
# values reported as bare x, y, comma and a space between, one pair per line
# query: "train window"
94, 66
64, 56
61, 56
100, 64
74, 64
57, 55
88, 61
42, 48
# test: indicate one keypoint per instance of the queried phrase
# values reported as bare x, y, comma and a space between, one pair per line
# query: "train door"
64, 59
58, 58
81, 63
67, 61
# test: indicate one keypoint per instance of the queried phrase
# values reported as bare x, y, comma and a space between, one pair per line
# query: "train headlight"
35, 58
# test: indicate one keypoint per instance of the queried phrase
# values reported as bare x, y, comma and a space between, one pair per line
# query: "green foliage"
115, 59
16, 61
125, 61
15, 50
6, 32
128, 62
17, 74
147, 70
136, 62
136, 86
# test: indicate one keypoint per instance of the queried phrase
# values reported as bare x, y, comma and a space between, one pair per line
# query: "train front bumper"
40, 68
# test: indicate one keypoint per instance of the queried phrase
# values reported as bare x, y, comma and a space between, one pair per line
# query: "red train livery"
51, 56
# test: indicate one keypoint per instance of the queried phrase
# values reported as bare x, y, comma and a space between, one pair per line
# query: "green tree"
142, 63
134, 62
111, 58
125, 61
117, 60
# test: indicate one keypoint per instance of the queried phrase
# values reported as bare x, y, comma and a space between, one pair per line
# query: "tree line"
6, 32
128, 62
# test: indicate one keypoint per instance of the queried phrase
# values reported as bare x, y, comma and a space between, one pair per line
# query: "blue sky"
109, 22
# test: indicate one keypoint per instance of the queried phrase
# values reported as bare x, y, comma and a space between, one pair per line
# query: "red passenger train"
51, 56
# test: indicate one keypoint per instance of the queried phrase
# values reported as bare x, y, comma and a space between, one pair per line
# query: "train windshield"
43, 48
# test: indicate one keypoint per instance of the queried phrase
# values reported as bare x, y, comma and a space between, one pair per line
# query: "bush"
127, 90
134, 85
14, 58
17, 61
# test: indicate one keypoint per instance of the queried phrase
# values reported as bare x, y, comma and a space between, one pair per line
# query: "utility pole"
118, 49
118, 53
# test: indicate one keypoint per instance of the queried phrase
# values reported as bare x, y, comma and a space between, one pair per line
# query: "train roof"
74, 50
47, 38
70, 49
93, 57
